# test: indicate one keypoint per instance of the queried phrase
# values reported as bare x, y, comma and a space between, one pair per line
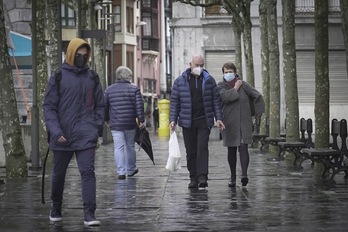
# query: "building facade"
137, 36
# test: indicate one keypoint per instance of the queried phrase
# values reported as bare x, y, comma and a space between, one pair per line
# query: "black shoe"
244, 181
203, 184
121, 177
193, 184
135, 172
232, 184
202, 181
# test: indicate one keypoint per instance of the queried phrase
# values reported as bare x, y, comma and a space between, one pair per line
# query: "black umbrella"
142, 138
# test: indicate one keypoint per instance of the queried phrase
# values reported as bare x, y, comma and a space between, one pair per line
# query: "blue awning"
20, 44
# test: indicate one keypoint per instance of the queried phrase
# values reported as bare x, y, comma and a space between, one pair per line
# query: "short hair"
123, 73
229, 65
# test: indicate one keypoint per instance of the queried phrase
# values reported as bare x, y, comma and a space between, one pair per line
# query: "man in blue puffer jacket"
74, 108
194, 103
124, 105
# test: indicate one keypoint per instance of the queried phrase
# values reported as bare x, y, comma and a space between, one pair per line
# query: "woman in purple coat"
237, 117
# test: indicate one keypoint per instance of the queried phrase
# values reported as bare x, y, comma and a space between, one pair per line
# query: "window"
130, 23
146, 3
130, 61
147, 29
151, 27
117, 12
150, 16
68, 16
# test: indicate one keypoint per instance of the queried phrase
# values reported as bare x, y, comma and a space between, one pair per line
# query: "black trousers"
85, 162
244, 159
196, 139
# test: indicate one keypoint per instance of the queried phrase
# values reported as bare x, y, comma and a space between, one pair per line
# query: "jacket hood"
73, 46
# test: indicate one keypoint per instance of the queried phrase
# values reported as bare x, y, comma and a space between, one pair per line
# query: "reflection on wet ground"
278, 197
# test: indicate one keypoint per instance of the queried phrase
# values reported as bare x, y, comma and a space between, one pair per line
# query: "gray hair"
123, 73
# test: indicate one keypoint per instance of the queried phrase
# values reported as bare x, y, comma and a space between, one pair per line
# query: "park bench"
257, 137
263, 138
333, 159
295, 147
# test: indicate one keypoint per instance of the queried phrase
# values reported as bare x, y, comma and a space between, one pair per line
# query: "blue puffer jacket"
124, 104
73, 110
180, 100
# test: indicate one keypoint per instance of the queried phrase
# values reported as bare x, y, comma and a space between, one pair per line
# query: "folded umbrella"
142, 138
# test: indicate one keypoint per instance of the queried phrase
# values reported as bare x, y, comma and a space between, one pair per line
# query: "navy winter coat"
74, 106
75, 111
124, 103
181, 105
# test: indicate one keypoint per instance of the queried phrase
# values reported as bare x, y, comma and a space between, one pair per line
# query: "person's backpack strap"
58, 77
95, 77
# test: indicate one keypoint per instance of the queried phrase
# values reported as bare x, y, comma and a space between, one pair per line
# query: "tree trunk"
344, 20
248, 47
52, 32
264, 62
322, 82
237, 25
42, 75
238, 49
16, 162
274, 115
289, 69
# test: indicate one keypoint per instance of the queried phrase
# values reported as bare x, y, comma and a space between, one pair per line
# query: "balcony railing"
150, 44
215, 11
307, 6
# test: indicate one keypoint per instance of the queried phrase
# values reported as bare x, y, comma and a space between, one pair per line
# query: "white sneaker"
56, 219
91, 223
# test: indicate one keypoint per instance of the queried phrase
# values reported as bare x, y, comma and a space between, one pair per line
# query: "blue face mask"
229, 76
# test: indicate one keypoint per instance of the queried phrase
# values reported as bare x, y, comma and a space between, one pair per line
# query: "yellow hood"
73, 46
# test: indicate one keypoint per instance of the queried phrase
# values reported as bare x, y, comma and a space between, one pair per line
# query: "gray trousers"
85, 162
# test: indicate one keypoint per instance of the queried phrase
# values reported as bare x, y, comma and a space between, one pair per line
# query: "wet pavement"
279, 197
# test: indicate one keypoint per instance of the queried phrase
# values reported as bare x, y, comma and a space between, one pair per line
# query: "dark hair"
229, 65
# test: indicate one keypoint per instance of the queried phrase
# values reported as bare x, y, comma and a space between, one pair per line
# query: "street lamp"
141, 23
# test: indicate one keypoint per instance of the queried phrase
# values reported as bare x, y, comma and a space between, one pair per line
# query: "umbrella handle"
43, 178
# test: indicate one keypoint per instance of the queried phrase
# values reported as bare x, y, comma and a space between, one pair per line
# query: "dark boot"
244, 181
56, 212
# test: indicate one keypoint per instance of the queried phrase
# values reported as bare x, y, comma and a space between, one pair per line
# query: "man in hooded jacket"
74, 109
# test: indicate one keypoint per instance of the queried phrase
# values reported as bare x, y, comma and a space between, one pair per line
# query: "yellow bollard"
163, 110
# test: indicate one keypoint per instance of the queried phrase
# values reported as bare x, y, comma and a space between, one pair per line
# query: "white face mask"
229, 76
197, 71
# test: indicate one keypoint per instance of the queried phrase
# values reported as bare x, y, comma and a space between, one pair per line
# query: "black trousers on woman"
244, 159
